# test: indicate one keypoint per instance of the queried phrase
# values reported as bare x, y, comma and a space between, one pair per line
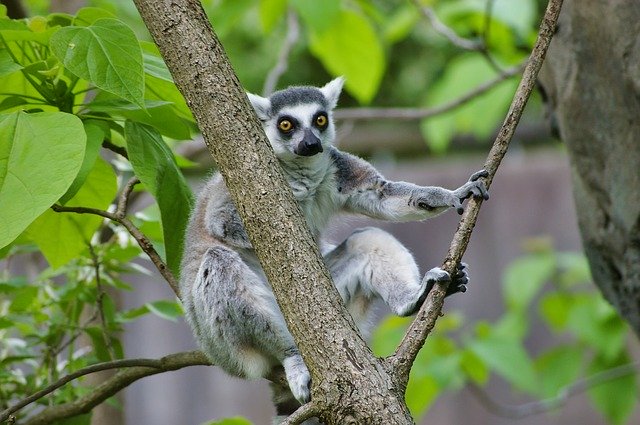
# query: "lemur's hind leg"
372, 263
241, 326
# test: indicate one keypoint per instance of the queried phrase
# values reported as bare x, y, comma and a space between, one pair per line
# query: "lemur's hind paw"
298, 377
459, 281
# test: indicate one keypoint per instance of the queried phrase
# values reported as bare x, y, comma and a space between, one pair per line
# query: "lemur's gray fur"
228, 301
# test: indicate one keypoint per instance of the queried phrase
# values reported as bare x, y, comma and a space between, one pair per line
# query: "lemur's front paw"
298, 378
474, 187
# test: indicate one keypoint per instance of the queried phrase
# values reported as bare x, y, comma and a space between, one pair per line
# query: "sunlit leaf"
106, 53
28, 183
64, 236
351, 48
271, 12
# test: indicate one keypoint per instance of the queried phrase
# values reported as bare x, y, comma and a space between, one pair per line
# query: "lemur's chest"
315, 191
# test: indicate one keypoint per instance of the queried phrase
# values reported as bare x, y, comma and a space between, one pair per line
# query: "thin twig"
422, 113
142, 240
115, 148
303, 413
140, 369
445, 31
106, 336
414, 338
536, 407
123, 200
293, 34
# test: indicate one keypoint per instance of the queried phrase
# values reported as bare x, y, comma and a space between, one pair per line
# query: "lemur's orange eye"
321, 121
285, 125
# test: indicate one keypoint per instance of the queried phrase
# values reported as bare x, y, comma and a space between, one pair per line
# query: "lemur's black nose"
310, 144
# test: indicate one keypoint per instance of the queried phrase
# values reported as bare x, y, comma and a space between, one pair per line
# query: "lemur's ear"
332, 91
262, 106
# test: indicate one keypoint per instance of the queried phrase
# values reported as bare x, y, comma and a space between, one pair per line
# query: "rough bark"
350, 385
592, 82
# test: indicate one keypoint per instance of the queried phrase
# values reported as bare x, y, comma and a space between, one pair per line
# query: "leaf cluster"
71, 86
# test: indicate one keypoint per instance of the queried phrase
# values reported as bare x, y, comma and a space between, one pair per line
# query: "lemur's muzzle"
310, 144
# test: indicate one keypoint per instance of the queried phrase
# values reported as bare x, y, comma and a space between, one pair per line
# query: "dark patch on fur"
296, 95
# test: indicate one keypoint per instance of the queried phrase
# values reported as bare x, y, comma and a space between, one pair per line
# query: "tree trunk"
350, 385
592, 82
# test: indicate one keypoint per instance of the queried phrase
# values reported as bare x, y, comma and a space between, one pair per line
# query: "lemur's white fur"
227, 299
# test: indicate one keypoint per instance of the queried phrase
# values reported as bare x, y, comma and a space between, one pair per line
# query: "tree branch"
546, 405
293, 34
422, 113
142, 240
414, 338
136, 369
445, 31
303, 413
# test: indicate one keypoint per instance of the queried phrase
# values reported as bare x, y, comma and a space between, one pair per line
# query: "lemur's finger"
475, 176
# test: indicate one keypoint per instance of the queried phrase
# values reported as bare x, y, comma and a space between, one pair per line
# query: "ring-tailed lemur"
228, 301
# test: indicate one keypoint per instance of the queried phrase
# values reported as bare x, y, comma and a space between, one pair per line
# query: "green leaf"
474, 367
318, 15
614, 399
351, 48
554, 309
271, 12
480, 116
23, 299
10, 102
65, 236
169, 310
594, 321
388, 334
157, 113
524, 278
38, 164
558, 368
236, 420
420, 395
7, 65
155, 166
95, 136
508, 358
106, 53
88, 15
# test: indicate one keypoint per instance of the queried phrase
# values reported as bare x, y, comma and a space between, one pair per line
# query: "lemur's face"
298, 120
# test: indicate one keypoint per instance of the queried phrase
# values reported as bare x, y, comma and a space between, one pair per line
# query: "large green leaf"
319, 15
95, 135
40, 155
159, 114
64, 236
155, 166
351, 48
106, 53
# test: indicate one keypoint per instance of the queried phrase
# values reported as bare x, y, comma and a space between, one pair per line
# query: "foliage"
70, 85
588, 338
